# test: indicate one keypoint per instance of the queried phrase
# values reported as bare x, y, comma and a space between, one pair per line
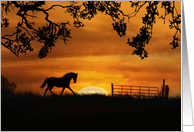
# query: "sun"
93, 90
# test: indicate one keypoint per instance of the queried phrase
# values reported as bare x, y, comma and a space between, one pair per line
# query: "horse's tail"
44, 83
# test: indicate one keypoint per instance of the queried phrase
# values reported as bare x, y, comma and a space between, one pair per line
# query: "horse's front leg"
46, 90
62, 90
71, 90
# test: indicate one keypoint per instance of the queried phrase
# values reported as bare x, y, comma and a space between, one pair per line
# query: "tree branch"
56, 6
137, 10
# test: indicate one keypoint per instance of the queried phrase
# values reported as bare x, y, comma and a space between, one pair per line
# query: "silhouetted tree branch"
145, 33
20, 40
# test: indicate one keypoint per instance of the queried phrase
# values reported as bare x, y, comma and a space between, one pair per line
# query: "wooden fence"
140, 90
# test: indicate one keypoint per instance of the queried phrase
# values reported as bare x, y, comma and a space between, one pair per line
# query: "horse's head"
70, 75
75, 77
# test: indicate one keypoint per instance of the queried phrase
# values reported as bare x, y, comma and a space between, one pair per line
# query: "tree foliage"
7, 88
26, 32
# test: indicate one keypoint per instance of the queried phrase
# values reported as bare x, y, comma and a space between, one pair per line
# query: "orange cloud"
99, 56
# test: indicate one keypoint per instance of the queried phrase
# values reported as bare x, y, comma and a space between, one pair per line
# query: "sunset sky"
98, 54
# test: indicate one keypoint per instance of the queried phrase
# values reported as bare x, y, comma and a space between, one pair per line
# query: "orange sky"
98, 55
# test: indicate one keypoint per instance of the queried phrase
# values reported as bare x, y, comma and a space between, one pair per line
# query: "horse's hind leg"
50, 89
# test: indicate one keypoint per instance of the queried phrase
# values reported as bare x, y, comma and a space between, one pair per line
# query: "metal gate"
134, 90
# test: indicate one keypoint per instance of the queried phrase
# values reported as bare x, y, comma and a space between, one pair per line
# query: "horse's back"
59, 82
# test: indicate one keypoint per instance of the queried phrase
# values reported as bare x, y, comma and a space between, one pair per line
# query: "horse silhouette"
59, 82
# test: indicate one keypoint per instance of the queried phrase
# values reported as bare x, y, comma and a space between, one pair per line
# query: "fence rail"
141, 90
132, 90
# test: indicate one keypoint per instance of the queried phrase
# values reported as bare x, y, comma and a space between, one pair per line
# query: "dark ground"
32, 112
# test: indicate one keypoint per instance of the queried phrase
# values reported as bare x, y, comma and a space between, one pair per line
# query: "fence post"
131, 90
163, 88
166, 91
112, 89
140, 91
122, 90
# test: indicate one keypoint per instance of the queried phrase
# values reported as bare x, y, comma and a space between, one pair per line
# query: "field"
30, 111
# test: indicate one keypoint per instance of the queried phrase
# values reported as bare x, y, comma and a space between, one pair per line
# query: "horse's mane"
68, 74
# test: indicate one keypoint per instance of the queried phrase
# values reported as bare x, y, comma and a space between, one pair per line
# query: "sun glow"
93, 90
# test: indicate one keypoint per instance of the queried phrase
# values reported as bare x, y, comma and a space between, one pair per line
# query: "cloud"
97, 38
99, 56
100, 69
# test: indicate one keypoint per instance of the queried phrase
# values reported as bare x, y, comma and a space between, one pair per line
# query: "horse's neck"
67, 78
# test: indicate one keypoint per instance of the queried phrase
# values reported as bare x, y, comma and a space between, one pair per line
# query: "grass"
31, 111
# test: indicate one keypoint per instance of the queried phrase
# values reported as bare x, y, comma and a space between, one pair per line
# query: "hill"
31, 111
